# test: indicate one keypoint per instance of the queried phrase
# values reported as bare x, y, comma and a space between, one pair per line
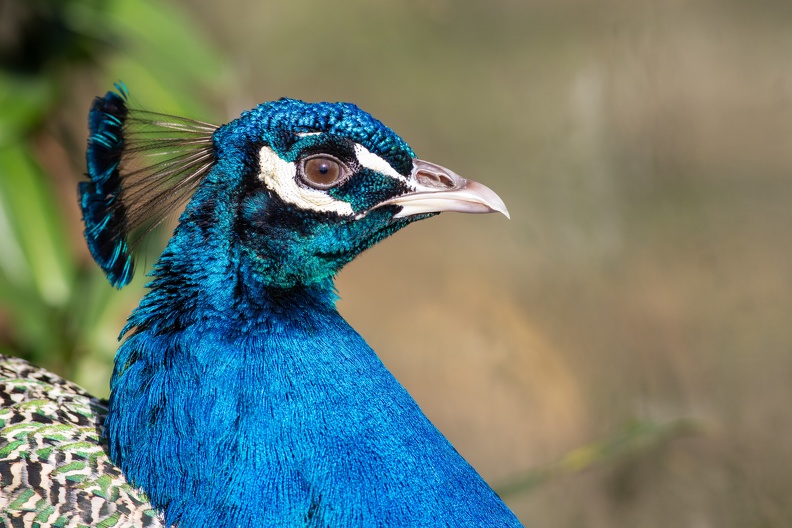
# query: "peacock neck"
217, 377
236, 402
218, 368
276, 413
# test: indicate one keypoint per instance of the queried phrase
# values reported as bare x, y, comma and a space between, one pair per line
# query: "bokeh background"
618, 354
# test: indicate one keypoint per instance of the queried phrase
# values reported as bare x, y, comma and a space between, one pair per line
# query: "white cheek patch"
279, 176
371, 161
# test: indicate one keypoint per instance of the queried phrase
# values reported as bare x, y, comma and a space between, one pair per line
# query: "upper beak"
438, 189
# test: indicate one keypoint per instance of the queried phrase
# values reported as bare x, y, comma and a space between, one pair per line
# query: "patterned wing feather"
54, 470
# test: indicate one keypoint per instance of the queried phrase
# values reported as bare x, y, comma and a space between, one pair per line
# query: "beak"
438, 189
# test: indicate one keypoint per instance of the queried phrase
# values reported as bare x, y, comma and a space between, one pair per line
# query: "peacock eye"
322, 171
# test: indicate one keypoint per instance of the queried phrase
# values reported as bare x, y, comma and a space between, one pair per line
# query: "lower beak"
437, 189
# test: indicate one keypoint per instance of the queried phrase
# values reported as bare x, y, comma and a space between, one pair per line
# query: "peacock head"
300, 188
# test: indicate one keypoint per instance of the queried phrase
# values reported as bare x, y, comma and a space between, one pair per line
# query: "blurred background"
618, 354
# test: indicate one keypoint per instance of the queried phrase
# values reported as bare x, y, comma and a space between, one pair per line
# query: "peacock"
240, 397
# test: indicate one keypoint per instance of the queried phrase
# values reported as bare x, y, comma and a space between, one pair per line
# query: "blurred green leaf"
168, 63
26, 311
633, 440
33, 216
165, 36
148, 90
24, 101
13, 265
62, 312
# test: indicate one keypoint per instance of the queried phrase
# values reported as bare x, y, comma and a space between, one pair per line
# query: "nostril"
434, 179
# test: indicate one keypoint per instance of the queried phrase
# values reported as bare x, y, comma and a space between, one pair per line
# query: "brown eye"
322, 171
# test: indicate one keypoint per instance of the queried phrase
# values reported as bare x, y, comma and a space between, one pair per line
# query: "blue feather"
103, 212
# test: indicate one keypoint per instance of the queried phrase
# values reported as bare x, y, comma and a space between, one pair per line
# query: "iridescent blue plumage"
285, 118
240, 396
103, 213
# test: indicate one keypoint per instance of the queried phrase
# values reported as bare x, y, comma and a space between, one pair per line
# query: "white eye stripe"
371, 161
279, 176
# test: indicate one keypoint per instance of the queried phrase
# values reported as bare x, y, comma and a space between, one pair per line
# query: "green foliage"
637, 439
55, 306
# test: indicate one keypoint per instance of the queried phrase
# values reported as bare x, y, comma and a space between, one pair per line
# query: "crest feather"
142, 166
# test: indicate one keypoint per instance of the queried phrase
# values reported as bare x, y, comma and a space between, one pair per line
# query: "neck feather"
234, 403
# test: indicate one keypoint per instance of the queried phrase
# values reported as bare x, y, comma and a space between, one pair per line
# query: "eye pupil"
321, 170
